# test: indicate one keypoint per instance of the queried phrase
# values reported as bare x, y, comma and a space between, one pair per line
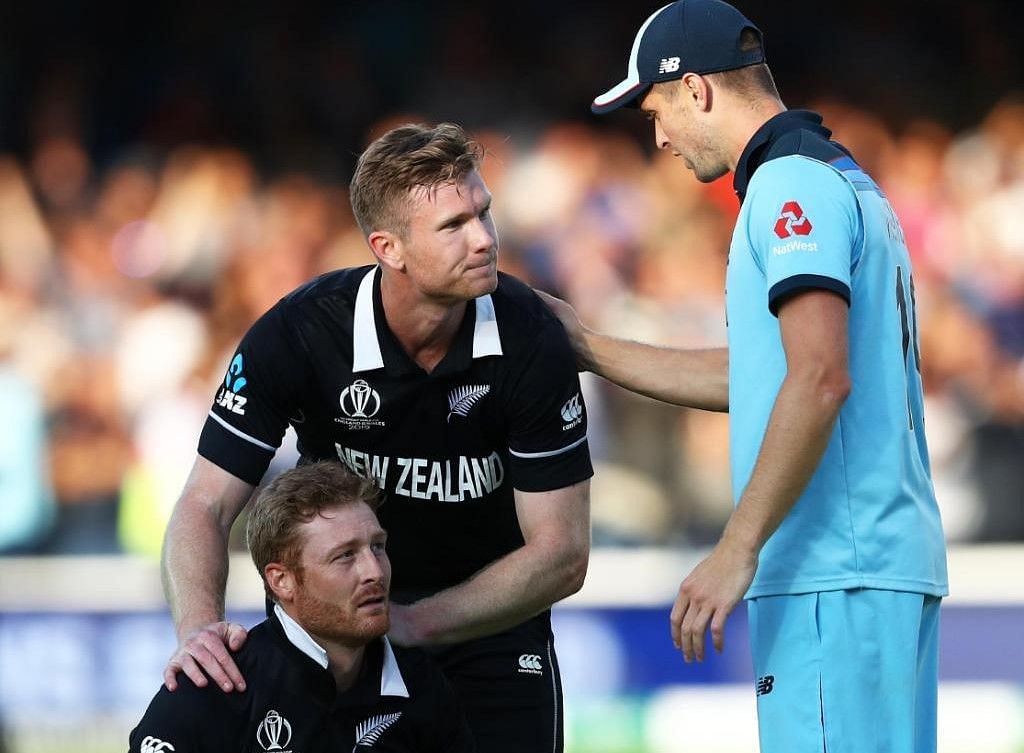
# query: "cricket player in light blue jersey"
835, 540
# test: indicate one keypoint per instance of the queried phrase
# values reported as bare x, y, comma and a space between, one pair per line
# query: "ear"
388, 249
282, 581
696, 90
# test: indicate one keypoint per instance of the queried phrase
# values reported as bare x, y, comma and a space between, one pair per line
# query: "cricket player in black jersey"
322, 676
455, 389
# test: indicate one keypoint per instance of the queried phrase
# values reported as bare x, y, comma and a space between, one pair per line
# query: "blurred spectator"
130, 285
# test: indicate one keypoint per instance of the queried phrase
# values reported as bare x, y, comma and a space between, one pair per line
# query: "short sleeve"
189, 720
804, 227
251, 408
547, 417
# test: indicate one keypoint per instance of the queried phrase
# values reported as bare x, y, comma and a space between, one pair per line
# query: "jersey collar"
758, 149
367, 353
391, 681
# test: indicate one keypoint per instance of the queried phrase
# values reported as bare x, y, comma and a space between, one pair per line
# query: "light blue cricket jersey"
811, 218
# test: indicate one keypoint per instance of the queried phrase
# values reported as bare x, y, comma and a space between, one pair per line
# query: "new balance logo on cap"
765, 684
668, 65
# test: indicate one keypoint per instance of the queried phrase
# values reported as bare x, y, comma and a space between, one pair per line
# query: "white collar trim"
366, 352
300, 638
391, 681
486, 340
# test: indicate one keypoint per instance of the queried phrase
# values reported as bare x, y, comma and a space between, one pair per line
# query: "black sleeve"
547, 417
259, 392
189, 720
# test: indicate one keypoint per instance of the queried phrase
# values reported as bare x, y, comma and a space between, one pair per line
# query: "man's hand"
208, 648
708, 595
573, 328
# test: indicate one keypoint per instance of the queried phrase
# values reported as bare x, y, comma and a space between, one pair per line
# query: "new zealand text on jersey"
453, 480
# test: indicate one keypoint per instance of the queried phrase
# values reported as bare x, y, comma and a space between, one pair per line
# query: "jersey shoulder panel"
522, 315
337, 282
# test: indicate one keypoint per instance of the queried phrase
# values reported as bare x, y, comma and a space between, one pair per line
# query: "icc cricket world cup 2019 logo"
360, 400
274, 733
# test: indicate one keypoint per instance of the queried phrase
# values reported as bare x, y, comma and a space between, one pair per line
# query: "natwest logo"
792, 220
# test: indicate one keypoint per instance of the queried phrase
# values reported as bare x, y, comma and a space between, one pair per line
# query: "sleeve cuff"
238, 457
789, 287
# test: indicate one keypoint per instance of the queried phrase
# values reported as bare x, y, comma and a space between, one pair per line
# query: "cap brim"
624, 94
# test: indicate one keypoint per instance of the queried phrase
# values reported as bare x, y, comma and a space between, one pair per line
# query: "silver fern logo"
369, 732
462, 399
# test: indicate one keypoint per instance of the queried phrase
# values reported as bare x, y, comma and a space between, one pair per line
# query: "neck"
746, 123
344, 663
425, 328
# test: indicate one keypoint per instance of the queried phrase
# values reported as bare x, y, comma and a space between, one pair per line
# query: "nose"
372, 566
485, 235
660, 139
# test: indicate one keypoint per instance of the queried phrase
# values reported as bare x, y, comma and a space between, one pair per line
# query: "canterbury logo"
572, 409
274, 732
462, 399
153, 745
369, 732
765, 684
530, 661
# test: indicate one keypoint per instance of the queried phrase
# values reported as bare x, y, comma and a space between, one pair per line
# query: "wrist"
742, 536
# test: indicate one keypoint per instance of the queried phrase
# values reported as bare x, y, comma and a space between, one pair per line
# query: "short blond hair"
405, 158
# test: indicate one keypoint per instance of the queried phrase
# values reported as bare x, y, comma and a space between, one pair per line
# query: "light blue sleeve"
804, 227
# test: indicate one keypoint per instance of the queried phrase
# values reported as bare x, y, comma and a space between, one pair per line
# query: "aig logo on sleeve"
360, 403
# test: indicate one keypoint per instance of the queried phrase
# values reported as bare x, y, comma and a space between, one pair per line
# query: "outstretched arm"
195, 571
550, 565
697, 378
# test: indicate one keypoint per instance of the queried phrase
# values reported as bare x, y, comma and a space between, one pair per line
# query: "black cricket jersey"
400, 702
501, 411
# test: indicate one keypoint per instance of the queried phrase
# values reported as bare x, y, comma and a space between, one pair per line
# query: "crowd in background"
124, 290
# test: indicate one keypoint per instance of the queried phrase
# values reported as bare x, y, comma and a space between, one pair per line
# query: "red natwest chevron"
792, 220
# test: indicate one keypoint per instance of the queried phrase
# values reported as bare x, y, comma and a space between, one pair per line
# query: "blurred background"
167, 172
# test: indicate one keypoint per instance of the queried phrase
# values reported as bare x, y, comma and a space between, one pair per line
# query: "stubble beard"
342, 624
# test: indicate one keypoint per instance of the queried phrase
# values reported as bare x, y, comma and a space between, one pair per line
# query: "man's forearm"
507, 592
691, 378
194, 568
798, 432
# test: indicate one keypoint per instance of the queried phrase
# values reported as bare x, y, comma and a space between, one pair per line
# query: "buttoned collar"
758, 149
391, 681
371, 337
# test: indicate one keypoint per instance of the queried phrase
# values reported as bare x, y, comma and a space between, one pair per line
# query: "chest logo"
462, 399
792, 221
274, 732
360, 400
360, 403
369, 731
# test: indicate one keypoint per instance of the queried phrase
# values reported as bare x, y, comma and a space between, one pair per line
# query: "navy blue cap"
687, 36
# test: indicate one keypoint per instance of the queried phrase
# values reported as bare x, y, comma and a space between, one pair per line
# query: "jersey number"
908, 323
